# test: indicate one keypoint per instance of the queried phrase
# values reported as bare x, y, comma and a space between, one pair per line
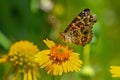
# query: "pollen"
60, 53
22, 52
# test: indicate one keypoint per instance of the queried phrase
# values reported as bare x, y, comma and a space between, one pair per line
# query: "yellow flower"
58, 59
21, 56
115, 71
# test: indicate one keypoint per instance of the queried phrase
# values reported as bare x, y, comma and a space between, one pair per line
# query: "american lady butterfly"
79, 31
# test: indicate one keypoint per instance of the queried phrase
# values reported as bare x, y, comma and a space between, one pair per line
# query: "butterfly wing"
79, 31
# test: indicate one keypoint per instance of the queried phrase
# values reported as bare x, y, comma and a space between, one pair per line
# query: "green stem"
9, 72
86, 55
53, 78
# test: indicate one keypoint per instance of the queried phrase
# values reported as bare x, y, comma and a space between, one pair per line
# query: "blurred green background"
36, 20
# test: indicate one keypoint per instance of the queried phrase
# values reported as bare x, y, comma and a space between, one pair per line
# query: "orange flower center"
59, 53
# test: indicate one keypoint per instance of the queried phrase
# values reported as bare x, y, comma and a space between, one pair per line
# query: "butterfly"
79, 31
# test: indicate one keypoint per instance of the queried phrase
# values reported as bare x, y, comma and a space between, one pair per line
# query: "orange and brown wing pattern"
79, 31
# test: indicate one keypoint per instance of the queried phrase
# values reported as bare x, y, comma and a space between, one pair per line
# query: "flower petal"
4, 59
49, 43
29, 75
115, 71
25, 75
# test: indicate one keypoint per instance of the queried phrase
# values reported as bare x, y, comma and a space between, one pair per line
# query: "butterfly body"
79, 31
